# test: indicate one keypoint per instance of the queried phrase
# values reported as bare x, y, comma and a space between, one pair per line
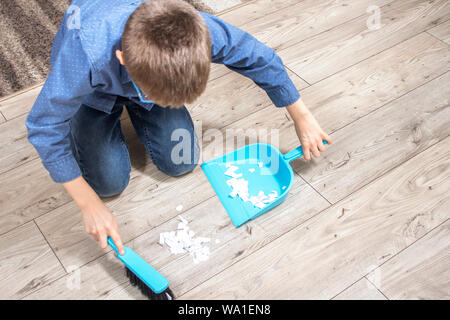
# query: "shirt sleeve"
243, 53
61, 96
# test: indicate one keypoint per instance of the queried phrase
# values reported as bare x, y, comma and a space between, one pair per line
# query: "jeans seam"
123, 143
149, 147
147, 144
125, 147
78, 158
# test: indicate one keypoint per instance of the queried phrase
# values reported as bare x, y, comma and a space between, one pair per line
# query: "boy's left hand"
308, 130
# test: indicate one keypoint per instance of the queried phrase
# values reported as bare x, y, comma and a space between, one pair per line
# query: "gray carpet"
27, 28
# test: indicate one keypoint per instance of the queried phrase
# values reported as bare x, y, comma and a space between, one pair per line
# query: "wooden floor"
368, 220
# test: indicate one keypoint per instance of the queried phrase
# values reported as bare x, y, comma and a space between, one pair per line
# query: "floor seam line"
49, 283
37, 226
295, 73
235, 7
313, 188
428, 31
398, 253
379, 290
346, 288
375, 54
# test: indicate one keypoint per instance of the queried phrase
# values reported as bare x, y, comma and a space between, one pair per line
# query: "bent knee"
112, 186
170, 166
177, 170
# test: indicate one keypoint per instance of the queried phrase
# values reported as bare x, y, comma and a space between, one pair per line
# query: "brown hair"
167, 51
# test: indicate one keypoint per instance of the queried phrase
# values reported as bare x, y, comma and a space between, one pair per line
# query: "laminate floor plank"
421, 270
15, 149
442, 32
27, 263
293, 24
361, 290
20, 104
327, 53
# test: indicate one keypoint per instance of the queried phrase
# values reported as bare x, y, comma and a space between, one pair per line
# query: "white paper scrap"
239, 188
231, 172
183, 220
182, 241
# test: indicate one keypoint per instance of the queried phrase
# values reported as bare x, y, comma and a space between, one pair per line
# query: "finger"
315, 151
306, 152
327, 138
114, 234
92, 232
320, 146
102, 237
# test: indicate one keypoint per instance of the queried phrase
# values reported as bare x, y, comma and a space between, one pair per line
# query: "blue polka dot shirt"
85, 70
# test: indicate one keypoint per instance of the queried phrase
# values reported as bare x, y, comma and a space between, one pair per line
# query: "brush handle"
296, 153
113, 245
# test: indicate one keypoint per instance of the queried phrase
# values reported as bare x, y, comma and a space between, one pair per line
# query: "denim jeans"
99, 146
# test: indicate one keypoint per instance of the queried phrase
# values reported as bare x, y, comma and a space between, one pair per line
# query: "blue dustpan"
263, 166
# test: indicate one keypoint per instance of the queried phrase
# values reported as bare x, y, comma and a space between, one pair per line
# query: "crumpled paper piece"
231, 172
183, 240
239, 188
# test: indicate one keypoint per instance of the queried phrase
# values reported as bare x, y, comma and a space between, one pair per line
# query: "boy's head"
167, 51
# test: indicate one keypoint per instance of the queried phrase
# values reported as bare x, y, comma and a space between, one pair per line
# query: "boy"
146, 55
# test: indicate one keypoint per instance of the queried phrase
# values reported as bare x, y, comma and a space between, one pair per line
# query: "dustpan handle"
296, 153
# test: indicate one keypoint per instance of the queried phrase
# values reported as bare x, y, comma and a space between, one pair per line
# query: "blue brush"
151, 283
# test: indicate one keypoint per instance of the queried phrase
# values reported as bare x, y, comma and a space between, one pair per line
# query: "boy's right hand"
99, 222
97, 219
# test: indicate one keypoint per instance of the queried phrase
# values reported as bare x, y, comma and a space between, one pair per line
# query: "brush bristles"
146, 291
